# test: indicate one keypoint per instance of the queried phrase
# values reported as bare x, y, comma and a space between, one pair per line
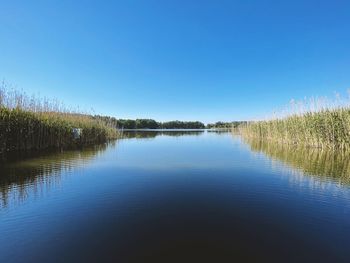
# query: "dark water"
177, 197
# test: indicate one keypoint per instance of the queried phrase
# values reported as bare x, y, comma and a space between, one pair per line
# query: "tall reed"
28, 122
326, 126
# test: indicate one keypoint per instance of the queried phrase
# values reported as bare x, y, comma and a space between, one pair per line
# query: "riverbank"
327, 128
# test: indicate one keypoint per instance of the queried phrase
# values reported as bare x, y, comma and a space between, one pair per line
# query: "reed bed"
327, 126
32, 123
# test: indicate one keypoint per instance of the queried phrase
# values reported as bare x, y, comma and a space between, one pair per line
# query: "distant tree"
126, 124
224, 125
146, 124
183, 125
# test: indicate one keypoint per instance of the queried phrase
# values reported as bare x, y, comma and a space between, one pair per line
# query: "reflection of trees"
323, 163
155, 133
19, 179
220, 130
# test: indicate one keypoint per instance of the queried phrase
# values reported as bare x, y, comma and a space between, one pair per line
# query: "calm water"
177, 197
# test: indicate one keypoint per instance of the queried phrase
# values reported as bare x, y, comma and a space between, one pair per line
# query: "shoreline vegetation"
225, 125
139, 124
31, 123
128, 124
314, 124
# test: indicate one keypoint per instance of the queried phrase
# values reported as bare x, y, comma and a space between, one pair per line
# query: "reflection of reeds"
324, 125
28, 123
323, 163
20, 179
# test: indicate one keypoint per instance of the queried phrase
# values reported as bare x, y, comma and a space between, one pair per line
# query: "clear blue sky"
190, 60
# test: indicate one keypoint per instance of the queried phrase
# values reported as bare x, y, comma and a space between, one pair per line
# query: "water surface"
176, 197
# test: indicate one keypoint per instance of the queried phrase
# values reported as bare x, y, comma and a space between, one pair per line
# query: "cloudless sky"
182, 59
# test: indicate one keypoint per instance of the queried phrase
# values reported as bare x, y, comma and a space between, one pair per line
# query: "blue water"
170, 197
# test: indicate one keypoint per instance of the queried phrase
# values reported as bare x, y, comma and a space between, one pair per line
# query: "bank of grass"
324, 128
28, 123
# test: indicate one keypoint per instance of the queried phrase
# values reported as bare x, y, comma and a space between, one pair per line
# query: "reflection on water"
144, 134
325, 164
178, 197
20, 178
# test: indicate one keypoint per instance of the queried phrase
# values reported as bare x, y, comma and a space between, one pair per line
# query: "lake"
177, 196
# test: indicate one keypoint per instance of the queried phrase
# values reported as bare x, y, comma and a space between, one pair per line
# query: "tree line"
152, 124
225, 125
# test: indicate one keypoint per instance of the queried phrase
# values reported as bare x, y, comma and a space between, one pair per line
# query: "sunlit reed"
29, 122
319, 123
